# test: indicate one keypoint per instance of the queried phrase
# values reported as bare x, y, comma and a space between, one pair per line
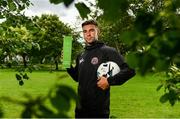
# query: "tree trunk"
56, 62
24, 60
42, 60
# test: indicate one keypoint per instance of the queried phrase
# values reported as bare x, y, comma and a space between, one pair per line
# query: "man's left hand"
103, 83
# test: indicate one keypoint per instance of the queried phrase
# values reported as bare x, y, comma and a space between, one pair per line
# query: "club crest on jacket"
94, 60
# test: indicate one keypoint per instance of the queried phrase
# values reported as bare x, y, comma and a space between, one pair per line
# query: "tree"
16, 38
10, 10
110, 33
12, 7
51, 36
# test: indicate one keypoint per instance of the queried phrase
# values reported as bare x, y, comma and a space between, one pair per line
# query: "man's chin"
91, 42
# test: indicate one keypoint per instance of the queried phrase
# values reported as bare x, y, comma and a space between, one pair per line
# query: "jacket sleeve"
124, 75
125, 71
73, 71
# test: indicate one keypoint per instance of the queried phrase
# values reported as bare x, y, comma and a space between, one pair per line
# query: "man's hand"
103, 83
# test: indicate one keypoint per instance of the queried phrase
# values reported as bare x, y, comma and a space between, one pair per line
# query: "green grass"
137, 98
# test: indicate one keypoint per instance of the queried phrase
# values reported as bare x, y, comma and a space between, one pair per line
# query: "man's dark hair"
93, 22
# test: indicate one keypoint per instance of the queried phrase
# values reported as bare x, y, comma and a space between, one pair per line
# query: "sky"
67, 15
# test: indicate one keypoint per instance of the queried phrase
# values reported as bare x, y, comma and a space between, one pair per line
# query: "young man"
94, 91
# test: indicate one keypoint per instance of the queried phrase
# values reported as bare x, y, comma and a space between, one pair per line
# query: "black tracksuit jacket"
92, 99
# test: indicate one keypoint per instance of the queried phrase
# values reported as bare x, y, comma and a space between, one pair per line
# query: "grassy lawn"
137, 98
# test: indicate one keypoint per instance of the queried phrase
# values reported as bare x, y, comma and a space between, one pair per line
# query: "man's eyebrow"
92, 29
88, 29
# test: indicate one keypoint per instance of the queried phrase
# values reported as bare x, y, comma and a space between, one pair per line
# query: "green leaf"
18, 77
12, 6
1, 113
29, 46
164, 98
129, 37
63, 97
132, 60
67, 2
161, 65
1, 51
45, 112
56, 1
4, 3
25, 76
21, 82
60, 103
144, 21
113, 9
27, 113
83, 10
24, 1
172, 97
146, 62
159, 87
22, 7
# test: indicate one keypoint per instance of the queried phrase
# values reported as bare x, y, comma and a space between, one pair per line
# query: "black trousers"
89, 114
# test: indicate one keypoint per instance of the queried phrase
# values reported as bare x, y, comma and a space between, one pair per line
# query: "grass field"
137, 98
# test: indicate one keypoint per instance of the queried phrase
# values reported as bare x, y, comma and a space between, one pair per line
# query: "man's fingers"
102, 83
99, 78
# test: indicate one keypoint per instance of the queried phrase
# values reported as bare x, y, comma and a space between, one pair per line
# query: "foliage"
1, 113
36, 40
50, 37
66, 2
171, 86
83, 8
153, 42
114, 9
16, 37
9, 7
59, 96
110, 33
22, 74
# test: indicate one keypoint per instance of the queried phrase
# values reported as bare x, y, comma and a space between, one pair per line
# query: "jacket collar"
94, 45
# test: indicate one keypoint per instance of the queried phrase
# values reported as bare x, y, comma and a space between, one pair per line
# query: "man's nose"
88, 34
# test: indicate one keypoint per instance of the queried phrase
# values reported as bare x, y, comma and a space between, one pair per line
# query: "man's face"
90, 33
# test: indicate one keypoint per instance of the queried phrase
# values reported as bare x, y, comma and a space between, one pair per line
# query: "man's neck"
92, 43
